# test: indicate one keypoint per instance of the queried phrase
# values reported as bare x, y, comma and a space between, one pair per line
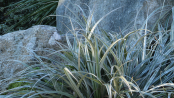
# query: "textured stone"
21, 46
116, 21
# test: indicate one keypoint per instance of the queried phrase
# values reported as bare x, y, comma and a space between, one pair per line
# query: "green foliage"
26, 13
18, 83
104, 65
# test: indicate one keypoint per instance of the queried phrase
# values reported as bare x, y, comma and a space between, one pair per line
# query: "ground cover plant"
25, 13
98, 64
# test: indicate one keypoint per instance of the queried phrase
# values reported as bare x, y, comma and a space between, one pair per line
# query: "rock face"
21, 46
132, 13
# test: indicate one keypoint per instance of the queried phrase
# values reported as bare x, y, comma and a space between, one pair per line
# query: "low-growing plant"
104, 65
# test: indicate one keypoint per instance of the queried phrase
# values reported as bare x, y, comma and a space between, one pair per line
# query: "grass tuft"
98, 64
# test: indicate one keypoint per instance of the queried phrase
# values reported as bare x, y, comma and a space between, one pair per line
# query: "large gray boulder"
131, 15
19, 48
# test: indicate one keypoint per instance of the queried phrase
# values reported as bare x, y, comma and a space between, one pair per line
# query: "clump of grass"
102, 65
26, 13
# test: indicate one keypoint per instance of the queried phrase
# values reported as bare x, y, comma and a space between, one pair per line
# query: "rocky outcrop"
19, 48
131, 14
